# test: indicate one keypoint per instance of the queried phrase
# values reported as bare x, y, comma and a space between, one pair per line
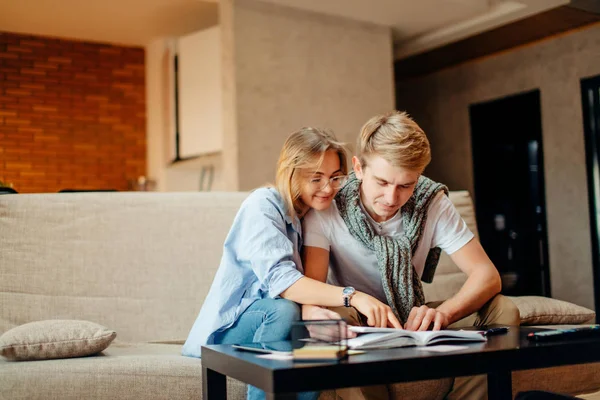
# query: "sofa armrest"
538, 310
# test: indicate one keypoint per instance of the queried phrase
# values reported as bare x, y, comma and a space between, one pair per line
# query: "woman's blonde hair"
397, 138
304, 148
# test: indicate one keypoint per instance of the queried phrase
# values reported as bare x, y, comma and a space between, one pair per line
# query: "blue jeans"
266, 320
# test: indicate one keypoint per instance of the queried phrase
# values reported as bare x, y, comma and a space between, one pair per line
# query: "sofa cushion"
112, 257
141, 371
42, 340
123, 371
537, 310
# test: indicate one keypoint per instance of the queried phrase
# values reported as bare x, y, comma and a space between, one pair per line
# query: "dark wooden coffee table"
497, 358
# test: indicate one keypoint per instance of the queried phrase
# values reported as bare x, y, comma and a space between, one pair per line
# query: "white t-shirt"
352, 264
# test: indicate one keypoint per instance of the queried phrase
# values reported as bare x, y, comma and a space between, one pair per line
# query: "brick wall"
72, 114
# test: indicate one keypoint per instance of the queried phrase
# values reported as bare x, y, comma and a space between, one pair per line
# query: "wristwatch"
347, 294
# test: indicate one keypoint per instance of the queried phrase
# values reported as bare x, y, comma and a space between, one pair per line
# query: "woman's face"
318, 188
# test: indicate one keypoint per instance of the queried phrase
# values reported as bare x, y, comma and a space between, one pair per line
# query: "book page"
370, 339
391, 337
370, 329
432, 337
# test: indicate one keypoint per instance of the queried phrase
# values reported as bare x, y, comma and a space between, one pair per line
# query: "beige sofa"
141, 264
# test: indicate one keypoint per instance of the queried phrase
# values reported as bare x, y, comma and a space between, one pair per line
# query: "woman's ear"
357, 167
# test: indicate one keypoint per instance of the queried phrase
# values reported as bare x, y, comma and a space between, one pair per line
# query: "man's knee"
501, 310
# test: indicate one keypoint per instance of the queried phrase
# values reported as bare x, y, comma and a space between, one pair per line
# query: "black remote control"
588, 331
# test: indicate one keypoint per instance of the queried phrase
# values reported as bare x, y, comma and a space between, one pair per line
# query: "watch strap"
346, 301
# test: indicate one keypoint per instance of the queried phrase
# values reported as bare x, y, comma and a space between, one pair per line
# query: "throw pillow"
42, 340
538, 310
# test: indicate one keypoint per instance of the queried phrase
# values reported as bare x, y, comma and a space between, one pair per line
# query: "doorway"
506, 137
590, 100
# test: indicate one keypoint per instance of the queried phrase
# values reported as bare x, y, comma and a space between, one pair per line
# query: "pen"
495, 331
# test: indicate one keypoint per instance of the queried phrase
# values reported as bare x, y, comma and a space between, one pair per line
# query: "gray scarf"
401, 284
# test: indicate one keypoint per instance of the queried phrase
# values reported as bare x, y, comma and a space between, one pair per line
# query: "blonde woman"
260, 280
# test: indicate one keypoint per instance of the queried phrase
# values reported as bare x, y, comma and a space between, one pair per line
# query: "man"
383, 236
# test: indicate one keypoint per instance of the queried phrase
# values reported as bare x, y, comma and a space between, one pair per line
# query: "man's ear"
357, 167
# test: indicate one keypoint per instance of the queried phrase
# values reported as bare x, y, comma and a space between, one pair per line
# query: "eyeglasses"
336, 182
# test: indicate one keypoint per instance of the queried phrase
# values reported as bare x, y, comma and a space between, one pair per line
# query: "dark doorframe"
508, 170
590, 100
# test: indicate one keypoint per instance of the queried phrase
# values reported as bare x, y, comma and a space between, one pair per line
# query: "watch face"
348, 290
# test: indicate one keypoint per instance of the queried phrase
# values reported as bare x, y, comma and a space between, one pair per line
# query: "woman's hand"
378, 314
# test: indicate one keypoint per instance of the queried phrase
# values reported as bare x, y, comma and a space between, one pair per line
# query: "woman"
259, 281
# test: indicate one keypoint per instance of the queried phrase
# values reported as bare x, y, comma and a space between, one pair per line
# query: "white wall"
160, 106
158, 111
200, 88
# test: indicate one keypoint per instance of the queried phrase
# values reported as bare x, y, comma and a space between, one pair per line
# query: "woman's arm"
312, 289
261, 241
316, 263
309, 291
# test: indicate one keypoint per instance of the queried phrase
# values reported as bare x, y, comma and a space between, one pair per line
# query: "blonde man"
383, 235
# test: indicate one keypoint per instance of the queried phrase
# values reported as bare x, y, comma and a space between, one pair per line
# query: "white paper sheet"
443, 348
276, 356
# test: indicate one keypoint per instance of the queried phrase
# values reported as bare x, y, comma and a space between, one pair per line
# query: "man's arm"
482, 284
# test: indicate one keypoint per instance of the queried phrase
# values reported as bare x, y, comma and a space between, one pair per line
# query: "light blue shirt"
261, 259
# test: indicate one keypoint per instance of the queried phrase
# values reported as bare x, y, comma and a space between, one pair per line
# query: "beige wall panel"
295, 68
440, 104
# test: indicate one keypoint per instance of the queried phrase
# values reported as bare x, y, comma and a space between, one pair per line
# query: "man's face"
384, 188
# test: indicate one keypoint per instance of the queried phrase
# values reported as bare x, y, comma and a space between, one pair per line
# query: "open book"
382, 338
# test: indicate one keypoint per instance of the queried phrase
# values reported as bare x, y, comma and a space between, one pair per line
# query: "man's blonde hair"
397, 138
304, 148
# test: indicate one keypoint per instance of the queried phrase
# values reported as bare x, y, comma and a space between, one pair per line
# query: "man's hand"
324, 332
421, 318
378, 314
